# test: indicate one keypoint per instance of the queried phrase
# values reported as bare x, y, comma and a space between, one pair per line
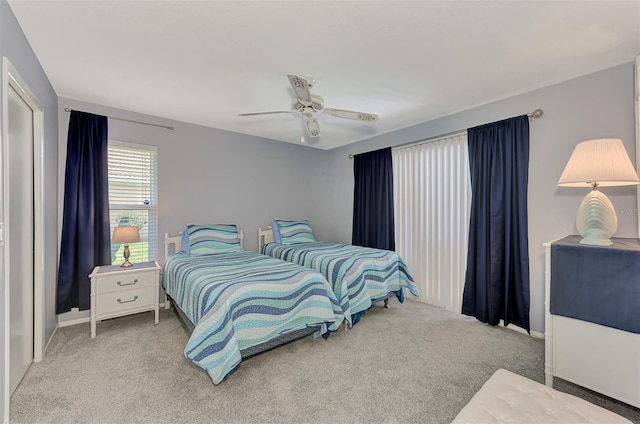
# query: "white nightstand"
117, 291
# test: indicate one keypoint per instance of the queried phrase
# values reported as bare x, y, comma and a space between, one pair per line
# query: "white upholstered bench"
508, 398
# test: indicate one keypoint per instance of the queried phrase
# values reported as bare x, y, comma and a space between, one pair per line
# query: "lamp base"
597, 220
126, 263
594, 242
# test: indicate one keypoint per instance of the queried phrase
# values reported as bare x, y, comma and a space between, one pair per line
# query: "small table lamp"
126, 235
598, 163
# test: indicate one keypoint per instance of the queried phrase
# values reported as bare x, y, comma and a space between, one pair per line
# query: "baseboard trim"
517, 329
73, 322
53, 333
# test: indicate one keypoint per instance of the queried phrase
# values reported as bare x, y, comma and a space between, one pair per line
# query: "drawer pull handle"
121, 284
128, 301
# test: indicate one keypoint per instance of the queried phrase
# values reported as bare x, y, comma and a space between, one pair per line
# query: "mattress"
510, 398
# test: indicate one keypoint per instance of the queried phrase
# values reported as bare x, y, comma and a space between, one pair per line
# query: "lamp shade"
603, 161
126, 235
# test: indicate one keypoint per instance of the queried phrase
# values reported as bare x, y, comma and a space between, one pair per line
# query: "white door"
20, 235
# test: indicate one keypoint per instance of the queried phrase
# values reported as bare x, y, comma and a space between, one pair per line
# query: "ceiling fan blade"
300, 86
311, 124
350, 114
264, 113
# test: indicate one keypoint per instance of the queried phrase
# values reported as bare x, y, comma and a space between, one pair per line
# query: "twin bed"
359, 276
237, 303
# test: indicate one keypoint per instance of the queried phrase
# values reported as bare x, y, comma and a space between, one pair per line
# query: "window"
133, 198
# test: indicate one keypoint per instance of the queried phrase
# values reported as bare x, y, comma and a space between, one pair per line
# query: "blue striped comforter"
241, 299
357, 274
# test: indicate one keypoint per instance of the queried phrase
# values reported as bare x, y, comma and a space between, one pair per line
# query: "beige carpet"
407, 364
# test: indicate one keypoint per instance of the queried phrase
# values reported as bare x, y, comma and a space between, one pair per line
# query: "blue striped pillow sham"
295, 232
212, 239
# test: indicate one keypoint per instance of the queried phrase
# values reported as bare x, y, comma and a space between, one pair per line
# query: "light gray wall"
208, 175
15, 47
593, 106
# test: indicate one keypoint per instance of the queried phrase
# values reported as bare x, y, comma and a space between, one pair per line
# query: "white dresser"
598, 357
117, 291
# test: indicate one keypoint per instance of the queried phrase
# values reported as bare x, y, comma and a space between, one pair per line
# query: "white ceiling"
203, 62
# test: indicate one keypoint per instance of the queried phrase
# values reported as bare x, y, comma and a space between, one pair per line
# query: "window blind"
432, 197
133, 197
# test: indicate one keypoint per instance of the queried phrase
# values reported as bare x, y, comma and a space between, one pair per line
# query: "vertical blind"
432, 192
133, 197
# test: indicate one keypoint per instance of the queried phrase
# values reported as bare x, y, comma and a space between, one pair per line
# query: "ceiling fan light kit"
311, 124
308, 103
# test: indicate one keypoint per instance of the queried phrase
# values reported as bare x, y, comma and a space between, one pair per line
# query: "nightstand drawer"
109, 303
125, 281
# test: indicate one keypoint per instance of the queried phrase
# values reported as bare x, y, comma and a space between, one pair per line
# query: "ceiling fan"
307, 103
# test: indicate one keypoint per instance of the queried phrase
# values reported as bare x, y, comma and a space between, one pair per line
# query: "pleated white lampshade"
603, 161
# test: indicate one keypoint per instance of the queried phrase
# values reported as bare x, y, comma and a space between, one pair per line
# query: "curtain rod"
66, 109
535, 114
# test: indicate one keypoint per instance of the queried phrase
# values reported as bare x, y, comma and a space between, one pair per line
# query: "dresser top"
619, 243
117, 268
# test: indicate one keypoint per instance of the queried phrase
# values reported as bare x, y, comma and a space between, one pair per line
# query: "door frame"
636, 98
11, 78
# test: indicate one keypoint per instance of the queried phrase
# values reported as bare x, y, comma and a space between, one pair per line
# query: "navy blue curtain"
497, 278
85, 220
373, 220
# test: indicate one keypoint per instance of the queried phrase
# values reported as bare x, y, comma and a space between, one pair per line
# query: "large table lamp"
598, 163
126, 235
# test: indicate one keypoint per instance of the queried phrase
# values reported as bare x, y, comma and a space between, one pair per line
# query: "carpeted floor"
407, 364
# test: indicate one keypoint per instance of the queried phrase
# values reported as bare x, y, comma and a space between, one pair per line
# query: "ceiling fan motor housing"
317, 103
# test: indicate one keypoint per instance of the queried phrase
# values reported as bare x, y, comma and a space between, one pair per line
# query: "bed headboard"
172, 244
171, 241
264, 237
